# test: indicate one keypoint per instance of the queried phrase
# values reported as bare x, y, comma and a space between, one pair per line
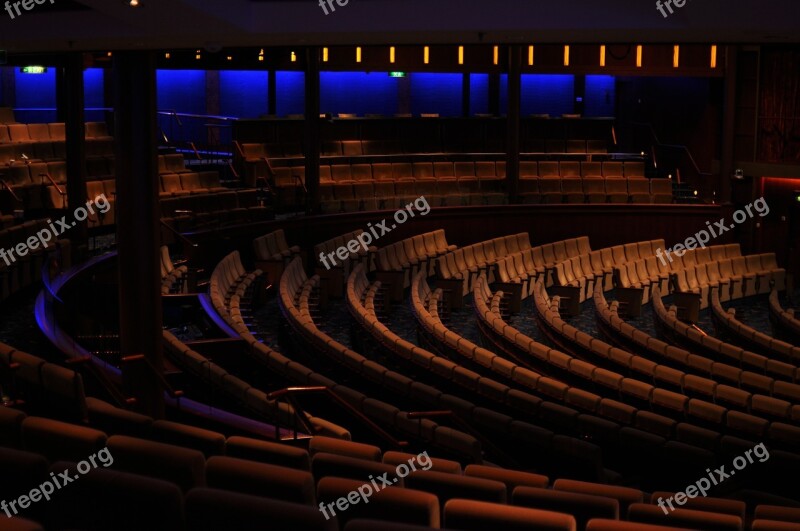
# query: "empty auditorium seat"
182, 466
110, 499
393, 504
60, 440
472, 515
651, 514
213, 509
583, 507
260, 479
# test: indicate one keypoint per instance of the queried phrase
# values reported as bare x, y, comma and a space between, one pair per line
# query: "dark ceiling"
160, 24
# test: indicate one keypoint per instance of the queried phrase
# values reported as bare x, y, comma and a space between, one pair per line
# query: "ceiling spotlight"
133, 3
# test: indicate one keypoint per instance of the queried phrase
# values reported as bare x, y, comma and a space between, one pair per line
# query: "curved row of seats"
171, 476
690, 436
584, 425
784, 322
669, 394
698, 341
700, 270
414, 254
273, 246
230, 278
346, 265
465, 263
46, 141
584, 270
593, 189
292, 285
18, 272
186, 183
188, 212
653, 400
172, 278
252, 152
722, 383
378, 195
726, 323
217, 377
571, 453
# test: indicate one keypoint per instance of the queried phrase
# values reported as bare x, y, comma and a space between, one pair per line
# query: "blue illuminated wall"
478, 93
290, 93
358, 92
551, 94
600, 98
181, 91
436, 93
243, 94
36, 96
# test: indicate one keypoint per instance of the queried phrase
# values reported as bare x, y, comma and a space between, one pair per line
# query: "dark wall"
779, 106
684, 110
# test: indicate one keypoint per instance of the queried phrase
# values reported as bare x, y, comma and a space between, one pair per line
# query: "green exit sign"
33, 69
397, 74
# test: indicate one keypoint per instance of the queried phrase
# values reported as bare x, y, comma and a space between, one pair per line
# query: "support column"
75, 146
728, 124
312, 129
272, 93
494, 94
512, 136
138, 232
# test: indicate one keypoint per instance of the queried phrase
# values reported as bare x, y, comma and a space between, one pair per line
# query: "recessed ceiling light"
133, 3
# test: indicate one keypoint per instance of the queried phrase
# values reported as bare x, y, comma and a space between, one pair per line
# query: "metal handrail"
10, 190
290, 394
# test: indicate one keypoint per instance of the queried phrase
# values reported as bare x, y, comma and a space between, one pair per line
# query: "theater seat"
583, 507
449, 486
344, 448
182, 466
212, 510
469, 515
362, 524
60, 440
615, 525
392, 503
208, 442
652, 514
260, 479
106, 498
21, 524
